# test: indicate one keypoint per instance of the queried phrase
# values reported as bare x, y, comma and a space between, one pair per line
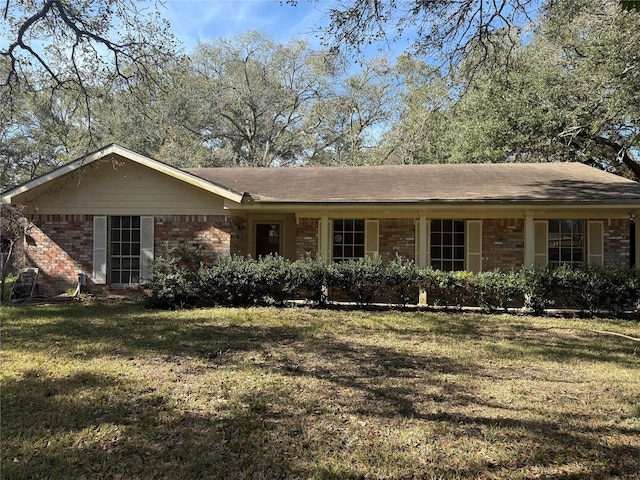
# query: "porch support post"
324, 238
422, 241
529, 240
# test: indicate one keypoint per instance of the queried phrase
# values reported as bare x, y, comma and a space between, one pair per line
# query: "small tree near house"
13, 228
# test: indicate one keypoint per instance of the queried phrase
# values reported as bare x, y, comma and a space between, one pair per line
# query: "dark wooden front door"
267, 239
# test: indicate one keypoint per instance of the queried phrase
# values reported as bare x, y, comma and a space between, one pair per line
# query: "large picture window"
348, 239
447, 244
566, 242
124, 249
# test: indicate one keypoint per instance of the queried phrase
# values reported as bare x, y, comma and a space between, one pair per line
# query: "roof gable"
115, 151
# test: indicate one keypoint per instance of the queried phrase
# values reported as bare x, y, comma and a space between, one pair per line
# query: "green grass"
112, 390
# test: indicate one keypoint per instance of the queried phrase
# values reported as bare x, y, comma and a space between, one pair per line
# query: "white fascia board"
129, 155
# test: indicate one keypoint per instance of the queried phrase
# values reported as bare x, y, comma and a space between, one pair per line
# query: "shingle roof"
514, 182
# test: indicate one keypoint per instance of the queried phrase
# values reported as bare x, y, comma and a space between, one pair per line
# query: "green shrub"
495, 290
596, 289
402, 281
359, 280
315, 276
175, 281
537, 285
448, 289
183, 280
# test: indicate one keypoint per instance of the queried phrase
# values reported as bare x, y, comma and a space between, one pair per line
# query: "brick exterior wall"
61, 246
213, 234
397, 237
502, 244
617, 242
307, 238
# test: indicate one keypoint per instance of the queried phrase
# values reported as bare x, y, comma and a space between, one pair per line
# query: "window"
124, 249
447, 244
348, 240
566, 242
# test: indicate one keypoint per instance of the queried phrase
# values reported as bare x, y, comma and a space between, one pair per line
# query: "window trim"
453, 245
101, 231
583, 248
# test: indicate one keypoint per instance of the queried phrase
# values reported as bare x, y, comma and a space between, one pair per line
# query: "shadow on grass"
333, 399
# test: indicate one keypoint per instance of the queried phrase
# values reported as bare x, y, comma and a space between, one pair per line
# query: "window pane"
124, 249
447, 243
348, 239
566, 242
577, 226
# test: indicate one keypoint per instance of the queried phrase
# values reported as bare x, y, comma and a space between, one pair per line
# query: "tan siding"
121, 188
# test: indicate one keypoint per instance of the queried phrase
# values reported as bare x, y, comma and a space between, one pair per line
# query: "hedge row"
183, 280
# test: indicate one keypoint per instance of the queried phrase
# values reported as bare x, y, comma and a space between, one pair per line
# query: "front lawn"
113, 390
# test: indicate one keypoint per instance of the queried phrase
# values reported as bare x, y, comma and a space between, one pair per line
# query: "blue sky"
204, 20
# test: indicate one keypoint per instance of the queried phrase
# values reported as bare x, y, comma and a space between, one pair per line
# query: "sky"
203, 20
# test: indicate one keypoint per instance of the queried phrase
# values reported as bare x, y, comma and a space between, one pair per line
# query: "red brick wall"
502, 244
617, 242
397, 237
61, 246
214, 234
307, 238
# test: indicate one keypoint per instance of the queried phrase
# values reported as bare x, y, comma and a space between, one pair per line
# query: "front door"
267, 239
